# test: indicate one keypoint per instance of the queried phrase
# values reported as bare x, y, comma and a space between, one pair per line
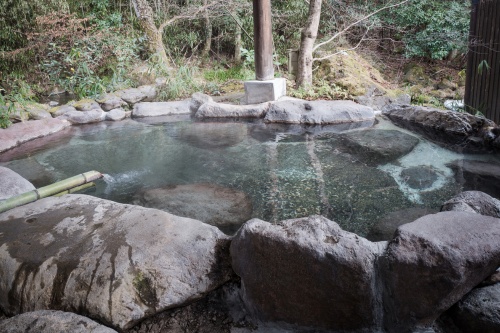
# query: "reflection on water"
284, 171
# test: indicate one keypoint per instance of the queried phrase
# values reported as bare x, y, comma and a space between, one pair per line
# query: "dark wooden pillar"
482, 87
263, 40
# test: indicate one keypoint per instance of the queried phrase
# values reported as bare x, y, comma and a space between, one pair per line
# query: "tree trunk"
237, 44
308, 37
154, 35
208, 32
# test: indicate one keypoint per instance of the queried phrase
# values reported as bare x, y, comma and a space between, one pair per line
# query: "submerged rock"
32, 171
12, 184
209, 203
219, 110
115, 262
213, 135
374, 146
20, 133
433, 262
420, 177
296, 111
155, 109
478, 176
298, 271
51, 321
473, 202
384, 229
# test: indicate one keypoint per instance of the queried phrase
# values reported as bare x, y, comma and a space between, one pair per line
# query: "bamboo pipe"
75, 189
49, 190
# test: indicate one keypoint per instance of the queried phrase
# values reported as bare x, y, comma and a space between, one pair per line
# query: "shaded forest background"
94, 46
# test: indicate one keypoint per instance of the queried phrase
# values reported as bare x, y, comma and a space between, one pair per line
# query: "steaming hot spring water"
225, 173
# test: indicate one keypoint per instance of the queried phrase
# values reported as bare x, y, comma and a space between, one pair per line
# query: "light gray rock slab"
115, 262
307, 272
11, 184
37, 114
20, 133
155, 109
131, 95
220, 110
84, 117
116, 114
473, 202
109, 102
433, 262
209, 203
49, 321
318, 112
197, 100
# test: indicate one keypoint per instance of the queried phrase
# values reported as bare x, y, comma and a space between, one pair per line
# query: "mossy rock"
416, 75
86, 104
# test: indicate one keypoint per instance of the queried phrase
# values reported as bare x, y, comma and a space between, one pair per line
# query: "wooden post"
483, 68
263, 40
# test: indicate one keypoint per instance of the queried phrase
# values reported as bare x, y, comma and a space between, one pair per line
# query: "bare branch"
358, 21
187, 15
351, 49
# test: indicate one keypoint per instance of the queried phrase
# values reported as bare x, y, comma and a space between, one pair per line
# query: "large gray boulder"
131, 95
477, 312
433, 262
115, 262
155, 109
116, 114
60, 110
375, 146
220, 110
11, 184
473, 202
49, 321
458, 131
84, 117
109, 102
197, 100
307, 272
296, 111
149, 91
209, 203
20, 133
86, 105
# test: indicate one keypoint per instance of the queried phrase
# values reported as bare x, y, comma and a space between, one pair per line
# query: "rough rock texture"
131, 95
48, 321
60, 110
378, 99
374, 146
109, 102
219, 110
433, 262
156, 109
298, 271
12, 184
478, 176
296, 111
116, 114
37, 111
197, 100
213, 135
473, 202
115, 262
420, 177
84, 117
459, 131
384, 229
19, 133
477, 312
149, 92
86, 105
209, 203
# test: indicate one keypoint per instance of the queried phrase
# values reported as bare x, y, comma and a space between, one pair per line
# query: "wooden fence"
482, 87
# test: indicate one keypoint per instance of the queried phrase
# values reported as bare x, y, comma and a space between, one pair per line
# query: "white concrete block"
264, 91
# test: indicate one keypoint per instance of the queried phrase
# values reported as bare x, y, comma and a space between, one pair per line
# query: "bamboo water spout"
49, 190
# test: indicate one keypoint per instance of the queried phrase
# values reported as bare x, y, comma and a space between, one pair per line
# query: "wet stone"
374, 146
419, 177
478, 176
